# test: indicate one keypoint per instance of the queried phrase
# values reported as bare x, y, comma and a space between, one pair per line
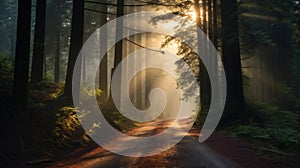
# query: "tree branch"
94, 10
159, 4
145, 3
144, 46
111, 4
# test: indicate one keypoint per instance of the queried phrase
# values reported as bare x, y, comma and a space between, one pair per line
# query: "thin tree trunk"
215, 23
214, 38
75, 45
103, 65
231, 60
57, 42
119, 30
210, 19
204, 79
139, 78
204, 10
119, 33
39, 42
20, 88
57, 59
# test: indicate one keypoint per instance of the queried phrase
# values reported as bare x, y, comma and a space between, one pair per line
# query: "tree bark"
231, 60
205, 90
57, 41
75, 45
57, 58
103, 65
215, 23
20, 88
119, 30
210, 19
39, 42
119, 33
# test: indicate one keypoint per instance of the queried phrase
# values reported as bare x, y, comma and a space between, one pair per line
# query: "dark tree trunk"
75, 45
39, 42
231, 60
139, 81
57, 57
215, 23
57, 41
210, 19
119, 30
203, 75
204, 10
103, 65
20, 88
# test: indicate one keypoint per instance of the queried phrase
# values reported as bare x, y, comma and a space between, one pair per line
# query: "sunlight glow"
192, 15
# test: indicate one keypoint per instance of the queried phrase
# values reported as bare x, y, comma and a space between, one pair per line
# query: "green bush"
285, 97
251, 131
284, 138
282, 119
280, 129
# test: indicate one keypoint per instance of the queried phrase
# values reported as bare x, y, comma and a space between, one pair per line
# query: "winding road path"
187, 153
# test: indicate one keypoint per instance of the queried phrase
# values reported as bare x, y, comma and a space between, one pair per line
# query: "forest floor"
220, 149
188, 153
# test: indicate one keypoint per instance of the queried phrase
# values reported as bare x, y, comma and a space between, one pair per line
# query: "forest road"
187, 153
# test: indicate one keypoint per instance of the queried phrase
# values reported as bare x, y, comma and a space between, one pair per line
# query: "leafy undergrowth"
50, 123
56, 120
273, 132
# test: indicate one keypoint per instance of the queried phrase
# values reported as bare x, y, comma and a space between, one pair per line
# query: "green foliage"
114, 117
45, 91
282, 119
54, 116
68, 128
281, 138
285, 97
252, 131
269, 125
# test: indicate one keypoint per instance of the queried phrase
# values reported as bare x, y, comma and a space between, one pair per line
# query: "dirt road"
188, 153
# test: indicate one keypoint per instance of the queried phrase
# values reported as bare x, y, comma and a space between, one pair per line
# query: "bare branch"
144, 46
94, 10
159, 4
145, 3
111, 4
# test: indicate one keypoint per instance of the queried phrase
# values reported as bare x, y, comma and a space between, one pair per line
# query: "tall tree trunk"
139, 80
119, 33
57, 58
231, 60
204, 10
57, 41
203, 75
119, 30
20, 88
215, 23
210, 19
75, 45
103, 65
39, 42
